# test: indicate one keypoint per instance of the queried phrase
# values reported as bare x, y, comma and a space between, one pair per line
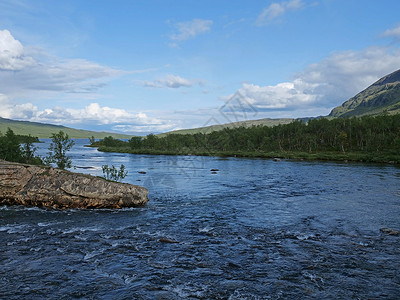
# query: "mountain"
42, 130
381, 97
247, 123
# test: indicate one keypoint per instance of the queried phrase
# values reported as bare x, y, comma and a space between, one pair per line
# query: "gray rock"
49, 187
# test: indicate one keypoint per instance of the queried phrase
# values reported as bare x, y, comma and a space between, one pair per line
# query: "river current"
249, 229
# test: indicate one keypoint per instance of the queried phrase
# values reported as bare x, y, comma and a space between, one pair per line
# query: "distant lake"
249, 229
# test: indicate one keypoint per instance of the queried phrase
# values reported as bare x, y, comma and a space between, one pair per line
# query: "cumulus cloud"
12, 53
10, 110
281, 96
277, 9
102, 115
171, 81
94, 114
91, 114
190, 29
324, 85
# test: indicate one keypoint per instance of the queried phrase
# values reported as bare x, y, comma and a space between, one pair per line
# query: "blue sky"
154, 66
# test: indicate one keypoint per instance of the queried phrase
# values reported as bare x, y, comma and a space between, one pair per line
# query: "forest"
373, 139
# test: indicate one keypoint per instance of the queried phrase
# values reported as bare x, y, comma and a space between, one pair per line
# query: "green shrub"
111, 173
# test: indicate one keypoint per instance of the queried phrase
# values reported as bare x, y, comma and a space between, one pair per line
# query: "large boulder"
48, 187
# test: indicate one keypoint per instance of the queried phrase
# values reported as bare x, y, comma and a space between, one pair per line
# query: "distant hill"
248, 123
42, 130
381, 97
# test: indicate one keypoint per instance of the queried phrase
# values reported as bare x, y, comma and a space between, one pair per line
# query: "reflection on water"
254, 229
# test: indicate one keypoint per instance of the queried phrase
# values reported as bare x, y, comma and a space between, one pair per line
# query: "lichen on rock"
49, 187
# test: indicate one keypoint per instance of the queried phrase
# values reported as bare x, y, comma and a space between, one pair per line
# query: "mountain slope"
381, 97
42, 130
247, 123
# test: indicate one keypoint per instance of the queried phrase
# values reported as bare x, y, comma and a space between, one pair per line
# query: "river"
251, 229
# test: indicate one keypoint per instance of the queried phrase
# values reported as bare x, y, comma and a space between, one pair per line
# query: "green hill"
248, 123
42, 130
381, 97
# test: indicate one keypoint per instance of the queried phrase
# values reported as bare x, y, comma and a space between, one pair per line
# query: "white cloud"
102, 115
394, 32
323, 85
281, 96
12, 53
171, 81
190, 29
277, 9
92, 114
35, 70
10, 110
70, 76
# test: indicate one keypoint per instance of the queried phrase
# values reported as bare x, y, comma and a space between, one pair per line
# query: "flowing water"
253, 229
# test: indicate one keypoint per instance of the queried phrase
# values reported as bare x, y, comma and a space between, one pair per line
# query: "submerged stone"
42, 186
169, 241
389, 231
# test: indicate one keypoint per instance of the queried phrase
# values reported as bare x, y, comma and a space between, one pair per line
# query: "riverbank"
366, 139
389, 158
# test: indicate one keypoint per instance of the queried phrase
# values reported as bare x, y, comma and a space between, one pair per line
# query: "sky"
151, 66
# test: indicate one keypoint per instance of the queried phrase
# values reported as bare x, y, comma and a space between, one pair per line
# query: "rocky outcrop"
48, 187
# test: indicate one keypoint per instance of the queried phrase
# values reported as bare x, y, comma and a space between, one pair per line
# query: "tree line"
380, 134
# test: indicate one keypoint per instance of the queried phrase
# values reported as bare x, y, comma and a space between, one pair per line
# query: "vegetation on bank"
18, 148
61, 143
113, 174
370, 139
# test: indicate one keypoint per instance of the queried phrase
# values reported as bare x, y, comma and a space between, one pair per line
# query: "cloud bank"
117, 119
